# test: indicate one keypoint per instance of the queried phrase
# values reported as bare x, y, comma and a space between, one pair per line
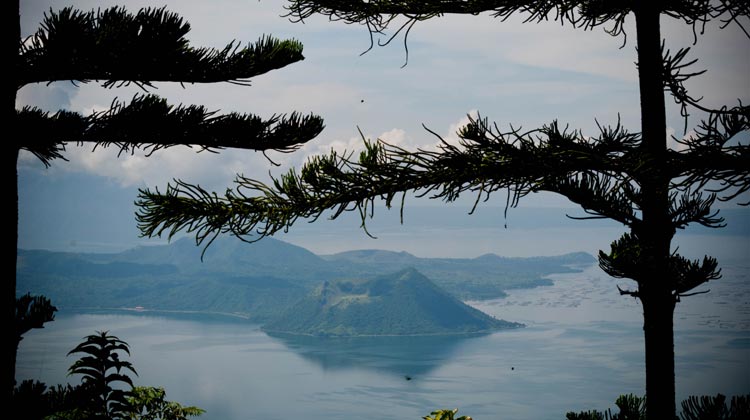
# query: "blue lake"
582, 347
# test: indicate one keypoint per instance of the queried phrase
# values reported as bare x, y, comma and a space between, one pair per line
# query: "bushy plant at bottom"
445, 415
106, 391
694, 408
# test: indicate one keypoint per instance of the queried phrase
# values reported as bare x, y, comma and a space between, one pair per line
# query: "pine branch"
714, 133
736, 10
706, 407
149, 123
379, 13
486, 160
118, 48
693, 208
710, 156
725, 171
625, 292
599, 196
675, 76
687, 275
598, 173
626, 260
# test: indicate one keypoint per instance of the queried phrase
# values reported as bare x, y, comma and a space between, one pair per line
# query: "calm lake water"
582, 347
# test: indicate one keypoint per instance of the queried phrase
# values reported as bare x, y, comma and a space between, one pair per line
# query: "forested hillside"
258, 280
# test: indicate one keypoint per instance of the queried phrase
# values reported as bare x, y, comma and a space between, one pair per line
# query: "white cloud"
51, 98
398, 137
451, 137
395, 137
350, 145
213, 171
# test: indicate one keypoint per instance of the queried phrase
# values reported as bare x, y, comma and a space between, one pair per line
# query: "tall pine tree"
117, 48
630, 177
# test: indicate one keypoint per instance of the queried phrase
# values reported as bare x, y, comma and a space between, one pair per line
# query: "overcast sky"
520, 74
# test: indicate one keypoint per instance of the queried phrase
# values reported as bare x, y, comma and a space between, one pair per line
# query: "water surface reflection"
407, 356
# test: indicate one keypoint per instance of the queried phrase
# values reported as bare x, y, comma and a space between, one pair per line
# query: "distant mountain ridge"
402, 303
258, 280
484, 277
230, 255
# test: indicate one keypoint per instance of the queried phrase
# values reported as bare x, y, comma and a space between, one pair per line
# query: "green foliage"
586, 415
445, 415
102, 369
105, 392
148, 403
401, 303
704, 407
715, 408
40, 402
630, 407
32, 312
485, 277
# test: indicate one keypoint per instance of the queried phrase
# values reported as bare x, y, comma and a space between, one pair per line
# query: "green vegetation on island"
484, 277
402, 303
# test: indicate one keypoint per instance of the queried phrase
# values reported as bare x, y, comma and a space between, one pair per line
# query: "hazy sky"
513, 73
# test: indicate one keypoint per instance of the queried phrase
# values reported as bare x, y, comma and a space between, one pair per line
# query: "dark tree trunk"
656, 232
11, 24
658, 312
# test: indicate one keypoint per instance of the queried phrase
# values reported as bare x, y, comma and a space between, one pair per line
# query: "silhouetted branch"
736, 10
624, 292
32, 312
579, 13
599, 196
625, 259
687, 275
485, 161
674, 82
693, 208
119, 48
378, 15
720, 170
682, 295
593, 172
149, 123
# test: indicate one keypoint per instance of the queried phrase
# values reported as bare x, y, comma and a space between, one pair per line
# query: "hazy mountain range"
282, 284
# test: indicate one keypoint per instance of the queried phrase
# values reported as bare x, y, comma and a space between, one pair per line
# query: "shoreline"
148, 311
446, 334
